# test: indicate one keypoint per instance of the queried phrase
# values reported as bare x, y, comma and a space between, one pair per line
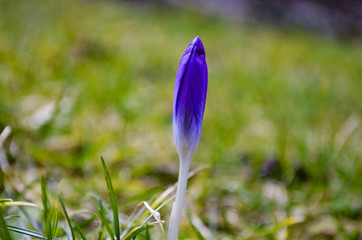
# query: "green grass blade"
55, 222
148, 237
113, 200
105, 223
48, 227
44, 197
80, 231
17, 203
100, 234
12, 217
4, 233
134, 234
29, 232
67, 217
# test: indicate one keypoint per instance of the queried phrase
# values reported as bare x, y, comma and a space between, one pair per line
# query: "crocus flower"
188, 111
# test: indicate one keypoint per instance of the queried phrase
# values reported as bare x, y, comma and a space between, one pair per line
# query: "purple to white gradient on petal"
189, 99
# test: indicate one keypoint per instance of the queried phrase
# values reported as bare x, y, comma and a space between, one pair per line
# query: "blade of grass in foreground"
3, 229
80, 231
55, 222
29, 232
113, 200
100, 234
134, 234
67, 217
104, 220
46, 212
148, 237
16, 203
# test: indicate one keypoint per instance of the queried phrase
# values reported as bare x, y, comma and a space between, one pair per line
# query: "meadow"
280, 154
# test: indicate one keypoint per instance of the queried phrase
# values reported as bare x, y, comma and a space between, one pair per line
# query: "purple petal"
189, 98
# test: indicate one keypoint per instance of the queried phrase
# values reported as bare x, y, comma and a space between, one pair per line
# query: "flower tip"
196, 41
199, 46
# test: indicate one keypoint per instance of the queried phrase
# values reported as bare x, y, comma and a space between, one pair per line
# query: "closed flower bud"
189, 99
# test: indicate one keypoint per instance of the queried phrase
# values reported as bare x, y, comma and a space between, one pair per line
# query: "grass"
113, 201
281, 134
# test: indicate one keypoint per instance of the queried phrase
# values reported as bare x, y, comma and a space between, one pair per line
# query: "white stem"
179, 202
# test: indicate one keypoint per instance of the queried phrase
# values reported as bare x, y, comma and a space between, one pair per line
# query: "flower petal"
189, 98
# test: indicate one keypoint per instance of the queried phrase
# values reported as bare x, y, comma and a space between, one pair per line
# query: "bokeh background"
281, 141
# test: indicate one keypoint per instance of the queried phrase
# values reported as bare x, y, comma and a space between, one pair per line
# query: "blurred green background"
281, 137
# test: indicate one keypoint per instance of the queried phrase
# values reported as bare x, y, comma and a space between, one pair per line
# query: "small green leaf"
148, 237
29, 232
105, 223
100, 234
3, 229
55, 223
113, 200
48, 227
11, 217
16, 203
80, 231
67, 217
137, 231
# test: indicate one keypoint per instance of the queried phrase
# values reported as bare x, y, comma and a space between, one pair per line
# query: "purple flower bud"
189, 99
